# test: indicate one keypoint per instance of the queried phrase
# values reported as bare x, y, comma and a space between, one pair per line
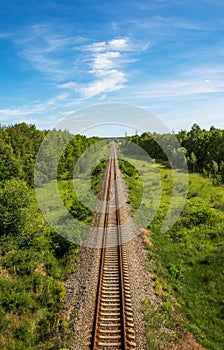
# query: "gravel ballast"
81, 287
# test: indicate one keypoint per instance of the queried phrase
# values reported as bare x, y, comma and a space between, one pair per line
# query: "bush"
15, 199
79, 211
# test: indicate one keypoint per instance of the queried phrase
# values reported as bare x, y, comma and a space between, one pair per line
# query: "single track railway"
113, 326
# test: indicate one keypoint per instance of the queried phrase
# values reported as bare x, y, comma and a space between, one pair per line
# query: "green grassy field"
187, 259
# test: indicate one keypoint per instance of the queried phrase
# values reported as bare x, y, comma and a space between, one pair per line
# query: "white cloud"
70, 85
118, 44
107, 60
104, 61
97, 47
113, 81
59, 97
8, 113
34, 108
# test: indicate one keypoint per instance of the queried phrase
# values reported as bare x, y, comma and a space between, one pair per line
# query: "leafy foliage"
187, 263
134, 183
97, 175
204, 150
15, 200
34, 262
34, 259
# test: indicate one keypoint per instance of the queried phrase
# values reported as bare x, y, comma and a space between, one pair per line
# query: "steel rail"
113, 326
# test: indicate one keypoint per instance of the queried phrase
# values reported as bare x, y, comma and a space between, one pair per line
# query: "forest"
203, 149
35, 260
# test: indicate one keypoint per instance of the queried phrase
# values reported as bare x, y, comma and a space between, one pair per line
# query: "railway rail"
113, 326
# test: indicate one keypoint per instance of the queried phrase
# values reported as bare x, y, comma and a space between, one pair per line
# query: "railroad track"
113, 326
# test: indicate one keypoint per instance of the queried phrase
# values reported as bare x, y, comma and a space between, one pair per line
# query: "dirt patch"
5, 274
41, 269
146, 236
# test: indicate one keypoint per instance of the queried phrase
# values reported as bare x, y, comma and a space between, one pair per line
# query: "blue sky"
166, 56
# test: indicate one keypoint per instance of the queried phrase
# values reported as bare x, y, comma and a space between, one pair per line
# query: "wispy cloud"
185, 87
4, 35
180, 23
121, 44
169, 25
35, 107
105, 62
46, 50
9, 113
58, 98
93, 69
112, 81
69, 85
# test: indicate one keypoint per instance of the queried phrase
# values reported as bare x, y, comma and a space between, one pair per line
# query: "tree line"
203, 149
19, 146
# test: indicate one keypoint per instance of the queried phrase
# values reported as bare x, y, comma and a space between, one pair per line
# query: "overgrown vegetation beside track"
34, 259
34, 262
133, 181
97, 175
187, 262
191, 254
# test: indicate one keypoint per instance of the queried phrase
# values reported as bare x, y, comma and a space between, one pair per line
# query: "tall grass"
188, 258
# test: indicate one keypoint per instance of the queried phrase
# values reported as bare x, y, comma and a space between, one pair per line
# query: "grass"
33, 265
187, 259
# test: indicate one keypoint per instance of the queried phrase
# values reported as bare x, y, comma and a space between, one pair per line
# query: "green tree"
193, 161
15, 199
10, 166
215, 167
